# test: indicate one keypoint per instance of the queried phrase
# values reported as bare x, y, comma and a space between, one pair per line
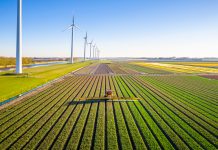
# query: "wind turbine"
93, 49
72, 26
19, 38
90, 48
85, 43
98, 54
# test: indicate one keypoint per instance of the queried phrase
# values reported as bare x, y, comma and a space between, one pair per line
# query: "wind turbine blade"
76, 27
69, 27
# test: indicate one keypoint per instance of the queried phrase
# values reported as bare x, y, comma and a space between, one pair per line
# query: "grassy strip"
13, 85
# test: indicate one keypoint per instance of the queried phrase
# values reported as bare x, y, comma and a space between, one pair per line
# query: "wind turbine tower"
72, 38
86, 37
19, 38
90, 49
94, 51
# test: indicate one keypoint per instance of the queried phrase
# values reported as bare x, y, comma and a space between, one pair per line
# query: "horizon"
123, 57
120, 29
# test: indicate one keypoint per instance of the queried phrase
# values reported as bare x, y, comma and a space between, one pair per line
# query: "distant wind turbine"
90, 49
72, 27
19, 38
98, 54
93, 49
85, 43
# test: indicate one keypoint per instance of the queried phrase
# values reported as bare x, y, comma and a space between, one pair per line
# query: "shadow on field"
77, 102
15, 75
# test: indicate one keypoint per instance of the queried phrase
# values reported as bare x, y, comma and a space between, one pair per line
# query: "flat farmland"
149, 109
180, 67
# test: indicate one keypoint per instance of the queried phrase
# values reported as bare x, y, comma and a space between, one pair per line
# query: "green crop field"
150, 108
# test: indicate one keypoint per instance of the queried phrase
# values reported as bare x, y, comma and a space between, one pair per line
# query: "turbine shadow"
15, 74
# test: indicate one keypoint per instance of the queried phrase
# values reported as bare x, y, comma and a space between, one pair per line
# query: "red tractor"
109, 93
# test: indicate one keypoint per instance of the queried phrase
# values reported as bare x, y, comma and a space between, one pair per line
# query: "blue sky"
148, 28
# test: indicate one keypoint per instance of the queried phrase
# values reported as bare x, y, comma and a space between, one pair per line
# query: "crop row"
201, 126
195, 86
26, 127
190, 135
209, 110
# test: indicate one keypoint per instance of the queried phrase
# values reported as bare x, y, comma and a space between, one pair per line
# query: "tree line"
11, 61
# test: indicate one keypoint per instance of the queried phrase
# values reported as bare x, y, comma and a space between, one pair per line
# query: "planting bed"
210, 76
172, 112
